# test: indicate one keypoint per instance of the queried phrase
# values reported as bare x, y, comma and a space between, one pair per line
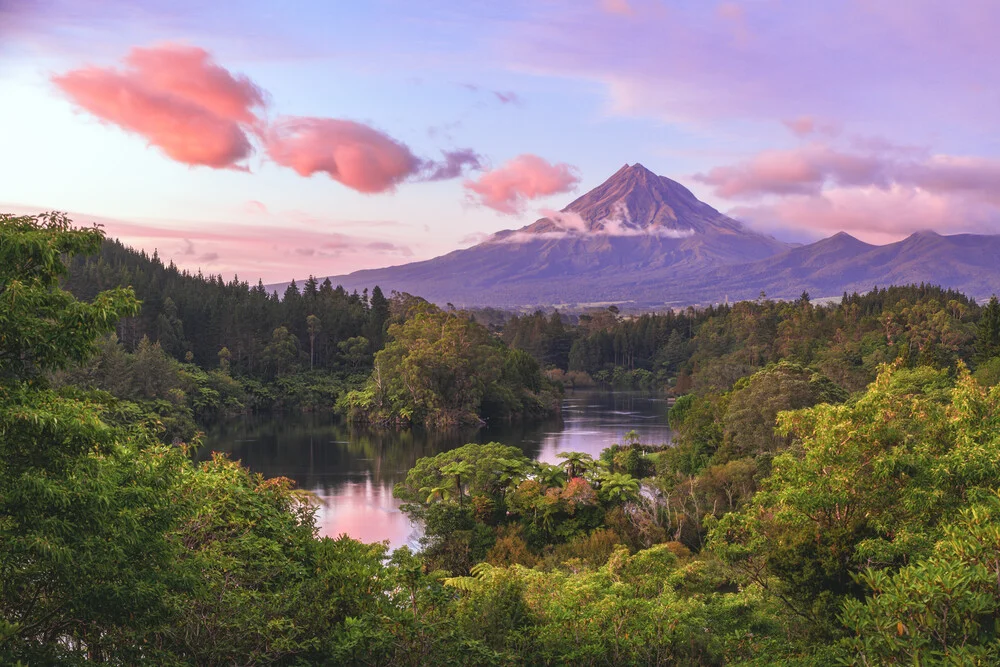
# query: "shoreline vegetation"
443, 370
832, 495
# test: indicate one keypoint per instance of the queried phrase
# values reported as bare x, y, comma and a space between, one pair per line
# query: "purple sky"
329, 137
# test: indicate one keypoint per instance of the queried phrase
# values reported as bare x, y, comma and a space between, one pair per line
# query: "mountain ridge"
645, 239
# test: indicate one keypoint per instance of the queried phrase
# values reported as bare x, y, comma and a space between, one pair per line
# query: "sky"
278, 140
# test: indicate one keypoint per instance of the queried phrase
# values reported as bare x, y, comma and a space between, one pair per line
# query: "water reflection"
593, 421
352, 470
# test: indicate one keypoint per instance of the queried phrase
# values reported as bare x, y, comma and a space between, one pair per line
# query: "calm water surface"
352, 470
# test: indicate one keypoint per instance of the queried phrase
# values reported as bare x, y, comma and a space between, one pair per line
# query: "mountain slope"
634, 229
966, 262
646, 240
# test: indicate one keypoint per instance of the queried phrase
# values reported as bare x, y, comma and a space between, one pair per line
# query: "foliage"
203, 314
709, 349
116, 548
866, 489
754, 404
82, 508
443, 369
790, 523
43, 327
489, 502
941, 609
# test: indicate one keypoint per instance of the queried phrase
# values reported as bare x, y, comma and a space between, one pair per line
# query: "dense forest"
716, 345
832, 496
200, 348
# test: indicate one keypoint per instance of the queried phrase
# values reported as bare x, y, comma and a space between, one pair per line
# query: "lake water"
352, 470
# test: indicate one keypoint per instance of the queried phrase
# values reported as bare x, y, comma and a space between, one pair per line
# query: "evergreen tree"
170, 330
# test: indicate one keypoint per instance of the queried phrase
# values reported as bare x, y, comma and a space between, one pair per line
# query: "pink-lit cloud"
189, 73
874, 215
814, 168
351, 153
271, 251
176, 98
804, 126
526, 177
874, 189
358, 156
804, 170
956, 174
200, 113
801, 126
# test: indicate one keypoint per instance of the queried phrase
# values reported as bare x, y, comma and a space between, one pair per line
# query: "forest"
832, 495
199, 348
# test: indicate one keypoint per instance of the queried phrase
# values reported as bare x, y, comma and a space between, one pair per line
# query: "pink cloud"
813, 168
177, 99
874, 215
199, 113
270, 251
874, 189
351, 153
956, 174
734, 14
525, 177
799, 171
803, 126
189, 73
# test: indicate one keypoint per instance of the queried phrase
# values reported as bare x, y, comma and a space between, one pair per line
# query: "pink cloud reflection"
365, 511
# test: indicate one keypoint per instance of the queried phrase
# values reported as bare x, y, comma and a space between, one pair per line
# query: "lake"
352, 469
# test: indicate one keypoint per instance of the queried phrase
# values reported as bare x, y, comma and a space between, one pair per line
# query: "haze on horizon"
323, 139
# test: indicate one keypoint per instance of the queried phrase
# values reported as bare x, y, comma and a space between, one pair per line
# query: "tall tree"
313, 326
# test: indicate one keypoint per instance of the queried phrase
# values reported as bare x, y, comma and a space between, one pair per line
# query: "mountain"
634, 235
647, 241
966, 262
